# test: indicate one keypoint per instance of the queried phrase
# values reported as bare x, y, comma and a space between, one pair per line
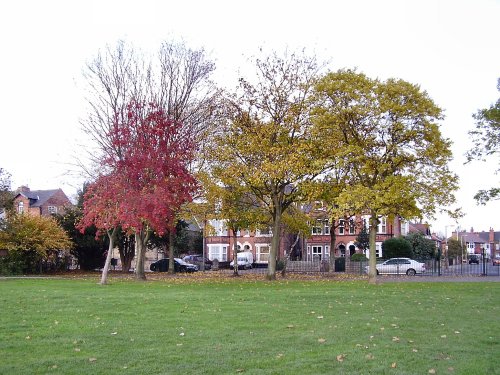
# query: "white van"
245, 260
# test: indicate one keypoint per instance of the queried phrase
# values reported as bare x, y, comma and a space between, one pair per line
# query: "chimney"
492, 236
471, 229
23, 189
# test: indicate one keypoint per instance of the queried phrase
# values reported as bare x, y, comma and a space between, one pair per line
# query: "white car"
400, 266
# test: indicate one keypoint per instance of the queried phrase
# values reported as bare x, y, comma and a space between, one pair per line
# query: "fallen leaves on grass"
321, 340
394, 365
341, 357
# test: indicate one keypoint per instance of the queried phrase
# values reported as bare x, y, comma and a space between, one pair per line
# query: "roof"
472, 237
486, 236
39, 197
419, 227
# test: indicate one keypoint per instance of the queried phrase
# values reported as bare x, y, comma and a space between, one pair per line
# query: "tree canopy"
6, 196
391, 143
266, 146
148, 180
31, 239
486, 143
422, 247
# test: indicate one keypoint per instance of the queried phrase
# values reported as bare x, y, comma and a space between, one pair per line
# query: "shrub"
396, 247
280, 264
359, 258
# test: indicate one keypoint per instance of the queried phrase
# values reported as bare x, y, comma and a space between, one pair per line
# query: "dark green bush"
359, 258
280, 264
396, 247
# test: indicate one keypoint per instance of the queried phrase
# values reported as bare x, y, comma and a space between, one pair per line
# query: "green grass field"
230, 326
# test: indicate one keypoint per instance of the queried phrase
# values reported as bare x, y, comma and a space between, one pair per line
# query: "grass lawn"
229, 326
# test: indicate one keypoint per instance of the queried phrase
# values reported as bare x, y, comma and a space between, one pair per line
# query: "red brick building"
219, 245
40, 202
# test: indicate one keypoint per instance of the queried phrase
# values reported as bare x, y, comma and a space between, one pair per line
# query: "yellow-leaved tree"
392, 145
266, 147
30, 239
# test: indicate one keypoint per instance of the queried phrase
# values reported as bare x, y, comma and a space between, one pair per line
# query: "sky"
449, 48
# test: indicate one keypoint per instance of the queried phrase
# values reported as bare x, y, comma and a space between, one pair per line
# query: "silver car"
400, 266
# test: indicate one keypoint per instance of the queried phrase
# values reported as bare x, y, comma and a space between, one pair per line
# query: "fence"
432, 268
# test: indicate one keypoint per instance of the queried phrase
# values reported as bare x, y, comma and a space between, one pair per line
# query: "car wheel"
377, 272
411, 272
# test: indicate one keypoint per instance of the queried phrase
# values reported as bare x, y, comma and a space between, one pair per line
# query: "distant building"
476, 242
40, 202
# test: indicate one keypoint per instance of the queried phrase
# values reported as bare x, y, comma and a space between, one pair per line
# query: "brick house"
219, 244
475, 242
317, 246
40, 202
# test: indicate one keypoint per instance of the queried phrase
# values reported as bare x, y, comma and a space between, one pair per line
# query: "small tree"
422, 247
88, 249
31, 239
363, 238
396, 247
455, 249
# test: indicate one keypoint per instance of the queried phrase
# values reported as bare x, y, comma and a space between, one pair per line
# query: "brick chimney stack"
23, 189
492, 236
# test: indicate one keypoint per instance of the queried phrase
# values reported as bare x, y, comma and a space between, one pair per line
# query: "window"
218, 252
352, 226
341, 226
316, 252
327, 252
20, 207
262, 253
316, 229
265, 232
52, 210
378, 249
219, 227
326, 227
382, 225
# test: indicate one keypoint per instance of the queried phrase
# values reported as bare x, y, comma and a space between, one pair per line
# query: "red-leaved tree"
147, 179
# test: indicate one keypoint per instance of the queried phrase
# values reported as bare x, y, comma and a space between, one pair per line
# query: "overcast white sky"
450, 48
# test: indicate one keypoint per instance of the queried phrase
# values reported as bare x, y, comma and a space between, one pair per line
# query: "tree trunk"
235, 253
372, 262
287, 256
127, 253
333, 240
141, 238
275, 244
171, 250
111, 236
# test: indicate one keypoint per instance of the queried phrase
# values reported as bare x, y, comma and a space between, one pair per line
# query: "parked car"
198, 260
399, 266
179, 266
496, 261
244, 259
473, 259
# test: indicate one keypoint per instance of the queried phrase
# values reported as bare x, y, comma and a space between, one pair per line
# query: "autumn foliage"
146, 177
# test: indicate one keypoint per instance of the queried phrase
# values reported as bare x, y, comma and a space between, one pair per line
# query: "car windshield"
180, 261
